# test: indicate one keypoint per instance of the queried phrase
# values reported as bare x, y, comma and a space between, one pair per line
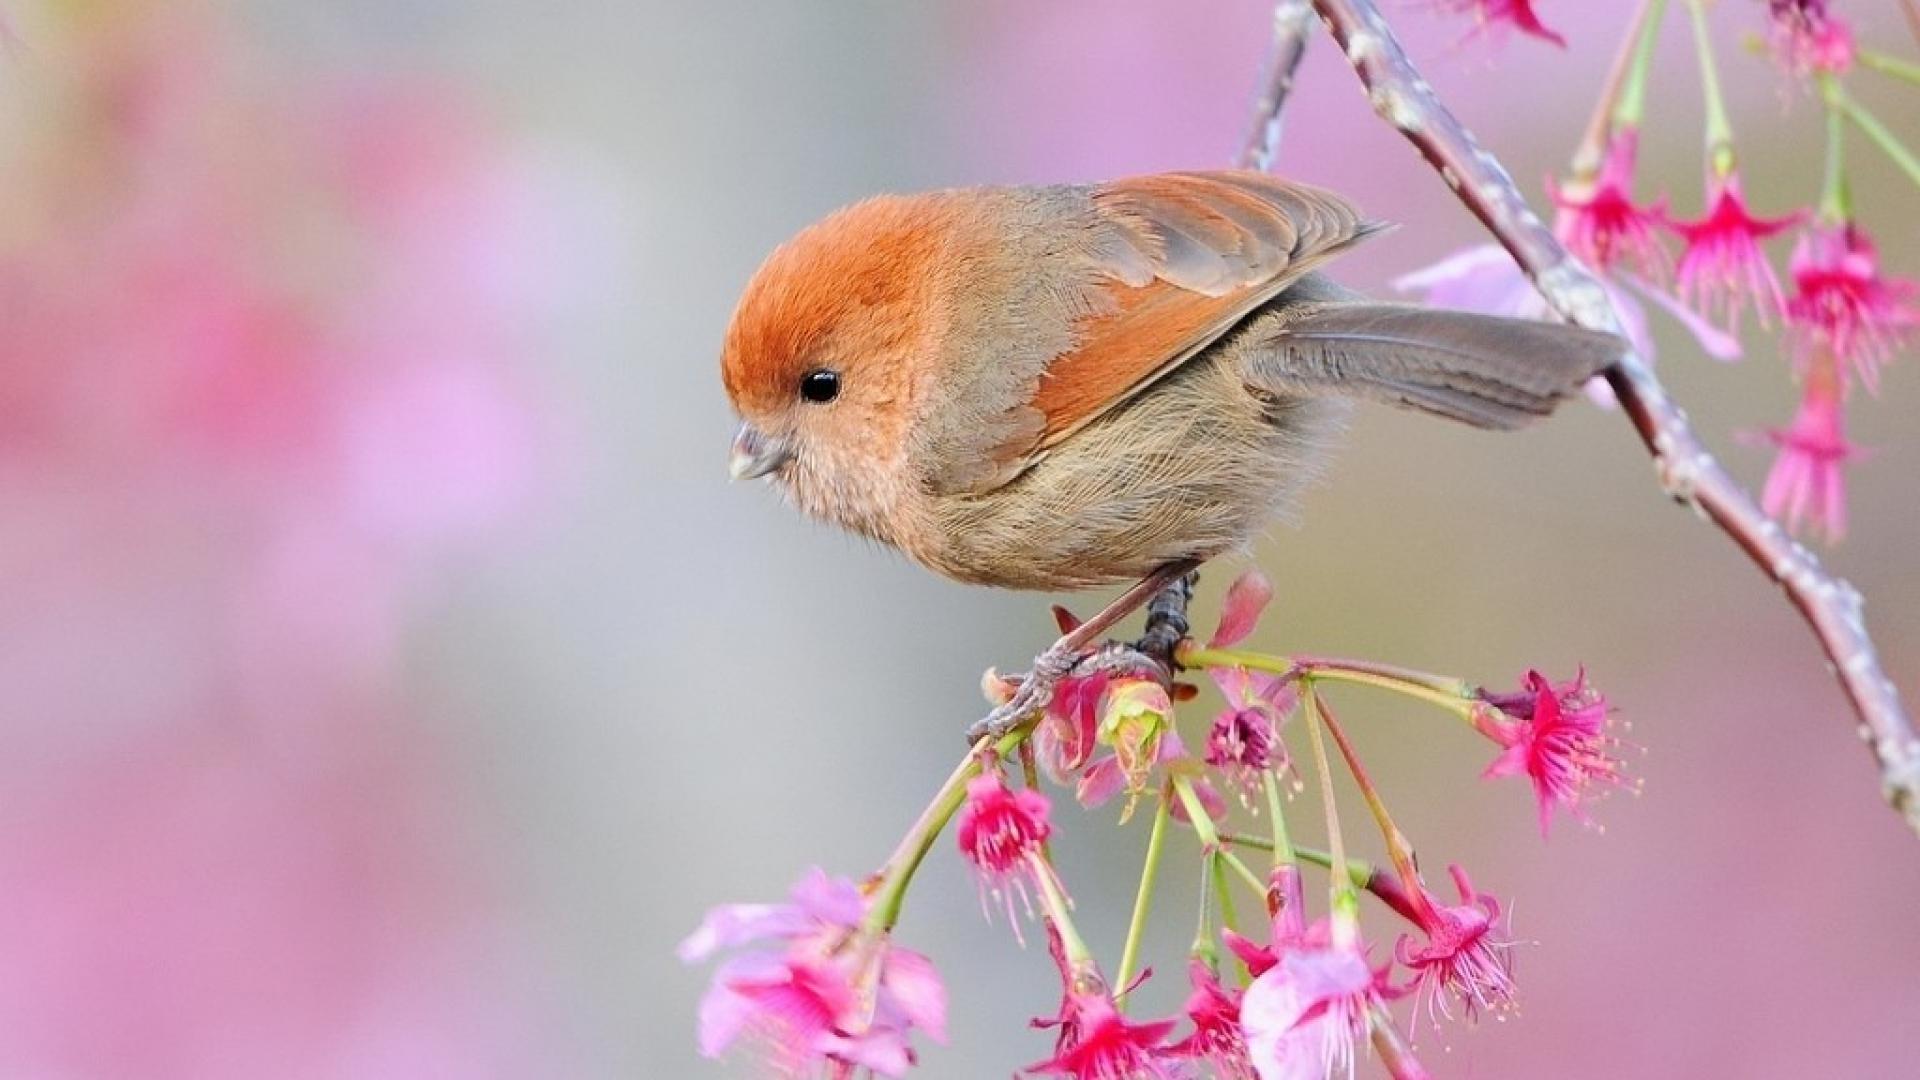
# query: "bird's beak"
755, 454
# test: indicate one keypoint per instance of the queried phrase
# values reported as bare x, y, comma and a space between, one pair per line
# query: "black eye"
820, 386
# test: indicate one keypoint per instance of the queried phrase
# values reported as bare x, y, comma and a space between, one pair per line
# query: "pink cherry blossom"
1841, 303
1486, 279
1556, 736
1001, 832
1246, 598
1723, 269
1604, 226
1097, 1042
1216, 1040
1244, 742
1464, 955
833, 996
1303, 1017
1806, 38
1068, 734
1808, 480
1496, 15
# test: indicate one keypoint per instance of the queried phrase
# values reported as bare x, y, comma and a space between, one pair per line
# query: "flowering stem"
1203, 945
1246, 873
898, 871
1054, 904
1719, 128
1399, 849
1882, 136
1454, 695
1143, 898
1282, 846
1646, 33
1339, 887
1683, 465
1890, 65
1395, 1054
1621, 99
1836, 199
1229, 918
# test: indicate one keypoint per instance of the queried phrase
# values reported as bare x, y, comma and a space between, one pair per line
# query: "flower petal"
1240, 612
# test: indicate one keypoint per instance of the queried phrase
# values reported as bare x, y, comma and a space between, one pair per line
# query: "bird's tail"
1482, 370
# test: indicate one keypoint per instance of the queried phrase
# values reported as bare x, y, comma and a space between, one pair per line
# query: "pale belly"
1193, 467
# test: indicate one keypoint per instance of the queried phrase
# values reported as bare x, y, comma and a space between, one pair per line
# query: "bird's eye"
820, 385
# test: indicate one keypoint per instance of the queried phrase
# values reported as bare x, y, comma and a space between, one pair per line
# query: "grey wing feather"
1481, 370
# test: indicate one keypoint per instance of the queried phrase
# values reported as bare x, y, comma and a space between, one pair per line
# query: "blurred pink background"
391, 677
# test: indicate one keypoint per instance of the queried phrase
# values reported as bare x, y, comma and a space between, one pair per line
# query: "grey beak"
755, 454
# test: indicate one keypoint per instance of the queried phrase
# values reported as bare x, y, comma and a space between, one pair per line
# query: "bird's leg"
1036, 689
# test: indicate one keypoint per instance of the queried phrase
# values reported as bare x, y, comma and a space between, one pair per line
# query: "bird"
1067, 386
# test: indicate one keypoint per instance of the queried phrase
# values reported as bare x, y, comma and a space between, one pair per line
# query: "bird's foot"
1034, 693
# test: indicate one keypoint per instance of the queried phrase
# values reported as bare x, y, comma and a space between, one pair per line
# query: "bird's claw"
1035, 692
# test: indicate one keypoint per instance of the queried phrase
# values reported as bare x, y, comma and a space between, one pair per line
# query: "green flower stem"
1719, 128
1836, 197
1229, 918
897, 873
1058, 913
1362, 873
1341, 889
1238, 866
1282, 846
1399, 849
1360, 870
1632, 106
1881, 135
1904, 70
1203, 946
1455, 695
1143, 898
1197, 815
1622, 96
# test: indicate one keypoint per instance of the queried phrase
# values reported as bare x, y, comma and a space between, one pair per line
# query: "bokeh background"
389, 677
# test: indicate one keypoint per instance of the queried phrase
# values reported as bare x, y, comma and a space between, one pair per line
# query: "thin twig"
1687, 471
1292, 28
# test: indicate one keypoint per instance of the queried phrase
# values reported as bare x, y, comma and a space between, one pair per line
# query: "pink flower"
1098, 1043
1807, 39
1244, 742
1723, 267
1807, 481
1069, 732
1216, 1039
1246, 598
1557, 737
1464, 954
1604, 226
1302, 1017
1842, 303
1136, 722
833, 997
1486, 279
1492, 14
1000, 832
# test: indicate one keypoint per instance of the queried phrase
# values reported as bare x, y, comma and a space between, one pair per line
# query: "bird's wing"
1185, 258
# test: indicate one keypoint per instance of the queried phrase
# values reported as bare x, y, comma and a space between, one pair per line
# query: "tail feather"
1481, 370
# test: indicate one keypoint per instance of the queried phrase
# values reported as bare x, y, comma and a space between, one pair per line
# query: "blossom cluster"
1843, 316
828, 992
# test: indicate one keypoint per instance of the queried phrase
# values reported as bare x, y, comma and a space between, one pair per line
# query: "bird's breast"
1191, 467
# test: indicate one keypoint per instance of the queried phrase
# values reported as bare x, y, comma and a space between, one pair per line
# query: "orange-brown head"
831, 349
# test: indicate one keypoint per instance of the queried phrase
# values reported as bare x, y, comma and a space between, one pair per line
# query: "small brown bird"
1058, 387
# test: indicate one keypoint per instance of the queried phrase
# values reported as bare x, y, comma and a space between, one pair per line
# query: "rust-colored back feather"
1220, 244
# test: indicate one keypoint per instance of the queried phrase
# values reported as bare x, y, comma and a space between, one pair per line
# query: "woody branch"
1687, 471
